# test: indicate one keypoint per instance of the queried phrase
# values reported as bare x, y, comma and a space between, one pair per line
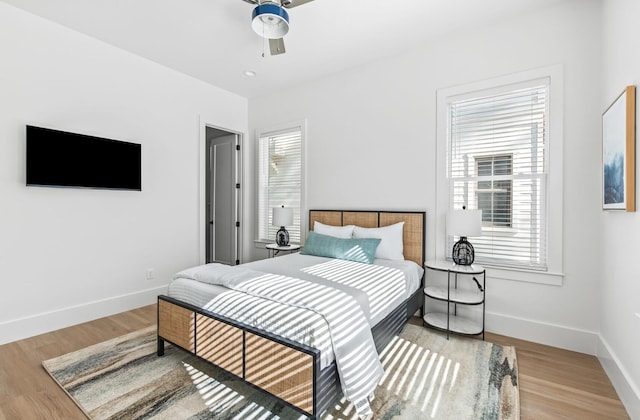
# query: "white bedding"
355, 354
378, 288
372, 279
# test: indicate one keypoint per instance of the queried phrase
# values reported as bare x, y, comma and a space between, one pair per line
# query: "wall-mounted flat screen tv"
61, 159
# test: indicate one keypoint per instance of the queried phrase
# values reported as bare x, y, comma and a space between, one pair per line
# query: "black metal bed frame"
326, 382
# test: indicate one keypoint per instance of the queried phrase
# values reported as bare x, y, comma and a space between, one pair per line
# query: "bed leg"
160, 347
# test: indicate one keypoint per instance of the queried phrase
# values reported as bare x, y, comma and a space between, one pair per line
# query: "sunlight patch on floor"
420, 376
219, 397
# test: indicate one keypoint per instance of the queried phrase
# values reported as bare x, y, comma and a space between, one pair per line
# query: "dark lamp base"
463, 253
282, 237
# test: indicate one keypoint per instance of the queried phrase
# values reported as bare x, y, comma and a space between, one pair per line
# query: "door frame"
202, 191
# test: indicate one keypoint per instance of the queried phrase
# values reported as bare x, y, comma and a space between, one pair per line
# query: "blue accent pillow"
352, 249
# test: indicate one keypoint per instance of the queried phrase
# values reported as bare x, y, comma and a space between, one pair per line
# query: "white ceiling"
212, 40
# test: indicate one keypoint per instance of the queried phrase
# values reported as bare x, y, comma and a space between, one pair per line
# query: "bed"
292, 363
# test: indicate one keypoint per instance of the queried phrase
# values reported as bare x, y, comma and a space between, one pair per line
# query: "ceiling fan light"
270, 21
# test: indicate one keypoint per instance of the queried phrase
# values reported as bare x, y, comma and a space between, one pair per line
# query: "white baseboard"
576, 340
544, 333
20, 328
628, 392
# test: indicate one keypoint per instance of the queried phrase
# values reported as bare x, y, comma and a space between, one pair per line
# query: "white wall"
620, 293
371, 144
71, 255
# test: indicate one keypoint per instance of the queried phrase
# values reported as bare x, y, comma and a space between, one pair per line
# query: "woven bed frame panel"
286, 371
280, 370
219, 343
413, 232
177, 325
366, 219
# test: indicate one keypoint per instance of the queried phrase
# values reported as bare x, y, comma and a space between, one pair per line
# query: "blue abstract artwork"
614, 155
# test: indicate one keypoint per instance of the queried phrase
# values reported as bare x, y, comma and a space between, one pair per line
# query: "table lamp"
282, 216
464, 223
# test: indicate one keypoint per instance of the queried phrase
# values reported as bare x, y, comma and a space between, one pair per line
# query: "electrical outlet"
638, 314
151, 274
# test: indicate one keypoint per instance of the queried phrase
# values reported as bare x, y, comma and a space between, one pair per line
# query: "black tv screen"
62, 159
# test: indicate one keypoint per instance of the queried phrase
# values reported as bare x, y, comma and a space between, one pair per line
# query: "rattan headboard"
413, 233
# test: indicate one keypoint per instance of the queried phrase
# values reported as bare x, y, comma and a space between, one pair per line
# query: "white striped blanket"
356, 358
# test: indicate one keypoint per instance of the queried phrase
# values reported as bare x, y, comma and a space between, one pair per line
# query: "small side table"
450, 321
275, 249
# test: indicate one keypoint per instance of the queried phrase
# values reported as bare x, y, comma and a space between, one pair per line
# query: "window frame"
270, 131
554, 200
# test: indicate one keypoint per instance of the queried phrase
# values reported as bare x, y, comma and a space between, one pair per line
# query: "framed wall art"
619, 153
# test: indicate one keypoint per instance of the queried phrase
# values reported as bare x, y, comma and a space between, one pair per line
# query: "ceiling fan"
270, 20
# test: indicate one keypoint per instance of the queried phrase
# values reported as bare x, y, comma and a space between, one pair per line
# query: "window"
494, 138
500, 130
494, 195
280, 179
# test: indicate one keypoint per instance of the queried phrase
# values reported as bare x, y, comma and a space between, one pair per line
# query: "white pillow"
343, 232
390, 247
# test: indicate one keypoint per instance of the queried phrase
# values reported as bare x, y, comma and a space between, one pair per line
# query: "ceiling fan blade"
288, 4
254, 2
276, 46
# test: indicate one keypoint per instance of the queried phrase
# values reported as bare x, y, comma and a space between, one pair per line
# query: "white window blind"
496, 151
280, 180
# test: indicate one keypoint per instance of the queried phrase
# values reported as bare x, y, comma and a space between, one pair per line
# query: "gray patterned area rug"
426, 377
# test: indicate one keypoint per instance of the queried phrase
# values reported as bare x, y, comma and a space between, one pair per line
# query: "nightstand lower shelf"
457, 324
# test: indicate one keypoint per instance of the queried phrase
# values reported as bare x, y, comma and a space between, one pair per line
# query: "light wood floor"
554, 383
